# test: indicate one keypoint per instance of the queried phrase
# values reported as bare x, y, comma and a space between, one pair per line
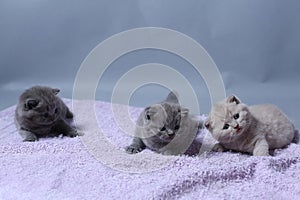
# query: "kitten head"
228, 119
163, 120
40, 105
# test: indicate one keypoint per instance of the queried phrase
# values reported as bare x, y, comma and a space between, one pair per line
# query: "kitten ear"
172, 97
31, 103
55, 91
233, 99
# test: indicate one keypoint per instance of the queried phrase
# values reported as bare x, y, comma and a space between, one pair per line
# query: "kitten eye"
236, 116
177, 127
163, 129
148, 117
226, 126
46, 115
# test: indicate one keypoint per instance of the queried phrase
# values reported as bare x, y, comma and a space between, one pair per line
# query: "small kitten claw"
30, 139
74, 133
133, 150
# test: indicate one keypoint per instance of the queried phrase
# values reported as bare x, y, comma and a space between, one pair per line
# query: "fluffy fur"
165, 127
41, 113
252, 129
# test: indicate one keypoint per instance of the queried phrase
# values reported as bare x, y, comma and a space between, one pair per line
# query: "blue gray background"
255, 44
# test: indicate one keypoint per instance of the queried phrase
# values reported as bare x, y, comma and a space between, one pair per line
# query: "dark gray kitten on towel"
40, 113
166, 128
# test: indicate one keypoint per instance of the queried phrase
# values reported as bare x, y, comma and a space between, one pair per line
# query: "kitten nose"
170, 132
236, 126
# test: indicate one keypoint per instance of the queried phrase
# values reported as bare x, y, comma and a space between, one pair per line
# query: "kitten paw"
30, 138
69, 115
74, 133
169, 153
261, 154
261, 148
133, 149
79, 133
218, 148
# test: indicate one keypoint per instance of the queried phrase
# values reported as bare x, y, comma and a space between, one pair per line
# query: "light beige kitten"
252, 129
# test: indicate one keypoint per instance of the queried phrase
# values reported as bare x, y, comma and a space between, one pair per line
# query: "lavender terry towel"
83, 168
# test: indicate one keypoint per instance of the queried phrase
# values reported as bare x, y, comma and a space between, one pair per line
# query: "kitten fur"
165, 127
41, 113
252, 129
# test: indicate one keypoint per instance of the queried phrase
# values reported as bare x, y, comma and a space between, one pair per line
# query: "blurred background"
254, 43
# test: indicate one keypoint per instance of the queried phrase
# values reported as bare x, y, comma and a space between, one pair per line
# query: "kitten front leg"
136, 146
261, 148
28, 136
61, 127
218, 148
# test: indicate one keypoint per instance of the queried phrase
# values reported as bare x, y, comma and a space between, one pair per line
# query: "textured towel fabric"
72, 168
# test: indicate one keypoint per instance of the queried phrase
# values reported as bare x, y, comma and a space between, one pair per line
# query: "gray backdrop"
255, 44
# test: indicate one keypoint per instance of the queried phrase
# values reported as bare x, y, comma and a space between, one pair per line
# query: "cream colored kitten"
252, 129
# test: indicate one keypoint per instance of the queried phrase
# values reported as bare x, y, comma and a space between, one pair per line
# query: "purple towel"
95, 166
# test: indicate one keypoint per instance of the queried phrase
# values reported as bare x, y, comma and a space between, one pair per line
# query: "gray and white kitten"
165, 127
41, 113
252, 129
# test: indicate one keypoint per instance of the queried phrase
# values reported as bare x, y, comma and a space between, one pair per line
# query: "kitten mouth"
239, 130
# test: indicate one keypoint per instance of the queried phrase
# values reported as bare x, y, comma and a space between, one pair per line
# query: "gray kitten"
165, 127
252, 129
41, 113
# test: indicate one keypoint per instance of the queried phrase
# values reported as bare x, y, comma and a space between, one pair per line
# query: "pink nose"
236, 126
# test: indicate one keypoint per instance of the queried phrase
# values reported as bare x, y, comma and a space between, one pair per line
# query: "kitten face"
228, 120
163, 120
42, 107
